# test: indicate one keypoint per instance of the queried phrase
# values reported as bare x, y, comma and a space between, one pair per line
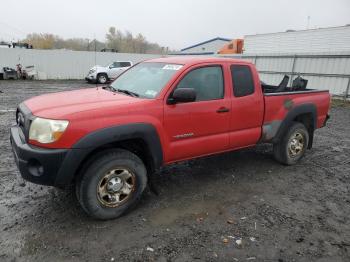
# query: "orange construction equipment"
233, 47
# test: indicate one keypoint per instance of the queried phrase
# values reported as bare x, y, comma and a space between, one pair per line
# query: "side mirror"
182, 95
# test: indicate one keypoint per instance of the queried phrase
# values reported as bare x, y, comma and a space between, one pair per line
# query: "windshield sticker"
172, 67
151, 93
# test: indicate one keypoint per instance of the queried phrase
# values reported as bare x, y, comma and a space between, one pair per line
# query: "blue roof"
208, 41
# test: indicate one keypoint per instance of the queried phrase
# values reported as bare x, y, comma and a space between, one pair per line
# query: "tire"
288, 150
102, 78
101, 186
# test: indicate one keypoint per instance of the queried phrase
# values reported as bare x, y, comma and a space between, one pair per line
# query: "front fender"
98, 138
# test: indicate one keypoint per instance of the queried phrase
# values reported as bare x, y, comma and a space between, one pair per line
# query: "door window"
115, 65
208, 82
242, 80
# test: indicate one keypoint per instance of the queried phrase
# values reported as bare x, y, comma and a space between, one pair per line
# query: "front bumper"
37, 165
90, 78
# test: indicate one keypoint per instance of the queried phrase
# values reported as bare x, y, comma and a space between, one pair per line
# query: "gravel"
275, 212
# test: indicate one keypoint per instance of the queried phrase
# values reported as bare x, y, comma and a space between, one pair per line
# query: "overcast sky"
173, 23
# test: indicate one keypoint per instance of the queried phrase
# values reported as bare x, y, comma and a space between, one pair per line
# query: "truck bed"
279, 104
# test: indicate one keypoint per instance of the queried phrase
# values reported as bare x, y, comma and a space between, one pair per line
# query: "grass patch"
340, 103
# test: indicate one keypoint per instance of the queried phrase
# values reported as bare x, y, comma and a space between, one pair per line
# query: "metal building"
331, 39
208, 47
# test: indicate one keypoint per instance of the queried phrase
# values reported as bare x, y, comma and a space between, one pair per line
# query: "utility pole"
308, 22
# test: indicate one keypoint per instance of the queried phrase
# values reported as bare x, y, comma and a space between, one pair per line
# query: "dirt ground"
239, 206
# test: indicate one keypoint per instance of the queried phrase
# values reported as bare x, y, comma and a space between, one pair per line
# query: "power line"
13, 27
9, 37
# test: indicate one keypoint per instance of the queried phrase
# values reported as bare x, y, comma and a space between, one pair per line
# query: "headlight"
47, 131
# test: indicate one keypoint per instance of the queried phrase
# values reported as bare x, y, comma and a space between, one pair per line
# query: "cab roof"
191, 60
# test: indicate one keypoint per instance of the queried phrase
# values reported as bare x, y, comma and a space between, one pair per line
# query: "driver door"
200, 127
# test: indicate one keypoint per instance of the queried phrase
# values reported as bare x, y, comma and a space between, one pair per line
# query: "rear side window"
125, 64
207, 81
242, 80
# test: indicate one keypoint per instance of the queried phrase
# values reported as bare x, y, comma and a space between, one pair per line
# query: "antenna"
95, 58
308, 22
95, 49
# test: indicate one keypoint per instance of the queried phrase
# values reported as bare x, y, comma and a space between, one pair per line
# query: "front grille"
23, 118
20, 120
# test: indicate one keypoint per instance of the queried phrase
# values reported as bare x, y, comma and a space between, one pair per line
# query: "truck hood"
64, 104
99, 68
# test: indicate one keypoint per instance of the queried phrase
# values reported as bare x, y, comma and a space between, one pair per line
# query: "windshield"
146, 79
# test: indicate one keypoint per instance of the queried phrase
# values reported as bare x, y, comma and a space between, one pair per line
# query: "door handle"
223, 110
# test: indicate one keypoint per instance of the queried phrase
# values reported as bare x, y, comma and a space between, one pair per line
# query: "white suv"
101, 74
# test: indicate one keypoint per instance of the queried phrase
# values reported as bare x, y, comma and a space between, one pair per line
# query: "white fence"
323, 70
63, 64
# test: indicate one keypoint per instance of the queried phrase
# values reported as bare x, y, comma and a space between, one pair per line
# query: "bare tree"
115, 39
126, 43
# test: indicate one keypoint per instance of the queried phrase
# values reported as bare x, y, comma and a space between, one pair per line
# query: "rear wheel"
291, 148
111, 184
102, 78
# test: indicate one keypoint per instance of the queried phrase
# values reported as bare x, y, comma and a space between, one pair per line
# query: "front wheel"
112, 184
102, 78
292, 146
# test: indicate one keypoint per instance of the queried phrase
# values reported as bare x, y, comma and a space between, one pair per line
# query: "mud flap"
325, 121
152, 184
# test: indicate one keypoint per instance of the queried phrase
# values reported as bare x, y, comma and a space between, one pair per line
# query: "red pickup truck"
108, 141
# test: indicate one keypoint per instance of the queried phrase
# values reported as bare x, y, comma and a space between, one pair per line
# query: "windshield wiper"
108, 87
124, 91
130, 93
